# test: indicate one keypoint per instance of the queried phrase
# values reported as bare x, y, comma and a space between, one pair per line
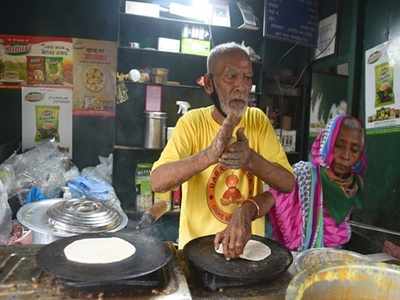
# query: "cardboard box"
142, 9
287, 138
196, 47
169, 45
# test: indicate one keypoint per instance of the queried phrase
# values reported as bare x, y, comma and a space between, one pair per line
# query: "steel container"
155, 130
346, 281
315, 257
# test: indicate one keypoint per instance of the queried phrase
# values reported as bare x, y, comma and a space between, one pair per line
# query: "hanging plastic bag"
5, 216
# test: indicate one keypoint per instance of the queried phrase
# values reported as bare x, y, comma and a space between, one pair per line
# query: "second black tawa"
201, 253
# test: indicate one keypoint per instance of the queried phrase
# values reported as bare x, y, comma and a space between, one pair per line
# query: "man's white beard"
238, 111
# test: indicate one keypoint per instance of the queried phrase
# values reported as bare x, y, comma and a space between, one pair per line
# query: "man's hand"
223, 138
237, 155
238, 232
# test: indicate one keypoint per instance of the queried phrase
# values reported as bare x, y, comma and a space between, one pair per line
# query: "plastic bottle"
144, 194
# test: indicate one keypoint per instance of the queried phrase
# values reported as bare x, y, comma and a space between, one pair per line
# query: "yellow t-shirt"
210, 197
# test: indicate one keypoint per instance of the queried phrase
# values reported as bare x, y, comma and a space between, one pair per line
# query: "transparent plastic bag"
72, 173
7, 176
102, 171
5, 216
43, 167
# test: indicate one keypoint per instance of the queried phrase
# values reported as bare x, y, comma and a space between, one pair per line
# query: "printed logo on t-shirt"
226, 190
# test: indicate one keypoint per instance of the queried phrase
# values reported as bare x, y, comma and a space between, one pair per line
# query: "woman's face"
347, 151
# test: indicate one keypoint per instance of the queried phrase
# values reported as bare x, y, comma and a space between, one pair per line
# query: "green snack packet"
384, 85
54, 70
47, 119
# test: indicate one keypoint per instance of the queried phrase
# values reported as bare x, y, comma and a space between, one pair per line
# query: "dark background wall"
362, 25
382, 206
348, 39
92, 19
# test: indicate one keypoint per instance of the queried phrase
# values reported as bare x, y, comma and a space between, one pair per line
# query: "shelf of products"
139, 44
147, 51
183, 86
169, 21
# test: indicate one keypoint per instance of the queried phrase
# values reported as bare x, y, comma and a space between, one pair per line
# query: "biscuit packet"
36, 69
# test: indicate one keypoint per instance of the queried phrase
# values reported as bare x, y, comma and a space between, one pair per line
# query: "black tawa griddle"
150, 256
216, 271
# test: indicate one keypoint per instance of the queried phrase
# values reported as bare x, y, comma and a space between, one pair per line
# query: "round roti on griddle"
99, 250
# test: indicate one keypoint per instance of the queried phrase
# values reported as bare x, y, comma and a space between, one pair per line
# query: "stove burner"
205, 285
83, 216
128, 287
214, 282
156, 279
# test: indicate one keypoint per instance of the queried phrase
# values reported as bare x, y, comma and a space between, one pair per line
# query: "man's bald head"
221, 50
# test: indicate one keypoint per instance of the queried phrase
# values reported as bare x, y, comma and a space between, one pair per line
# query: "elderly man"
222, 154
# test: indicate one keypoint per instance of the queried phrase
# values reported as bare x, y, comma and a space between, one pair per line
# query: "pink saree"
299, 219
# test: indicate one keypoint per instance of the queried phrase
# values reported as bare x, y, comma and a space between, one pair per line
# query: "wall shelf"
146, 51
286, 90
181, 86
164, 20
124, 147
185, 69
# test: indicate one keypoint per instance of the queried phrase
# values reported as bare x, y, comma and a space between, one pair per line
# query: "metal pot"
355, 281
47, 228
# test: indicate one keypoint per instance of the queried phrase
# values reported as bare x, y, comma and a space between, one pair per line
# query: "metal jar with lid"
53, 219
155, 130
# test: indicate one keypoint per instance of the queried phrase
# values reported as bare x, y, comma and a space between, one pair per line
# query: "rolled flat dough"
99, 250
254, 251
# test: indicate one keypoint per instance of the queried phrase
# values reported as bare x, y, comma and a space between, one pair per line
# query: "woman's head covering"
322, 149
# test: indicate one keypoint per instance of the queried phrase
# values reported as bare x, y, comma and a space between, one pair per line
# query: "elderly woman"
316, 212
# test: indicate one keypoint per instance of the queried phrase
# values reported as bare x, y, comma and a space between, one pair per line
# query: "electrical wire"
313, 61
278, 84
287, 53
